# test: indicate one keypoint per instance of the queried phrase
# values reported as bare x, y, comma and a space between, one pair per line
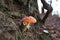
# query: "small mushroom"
27, 21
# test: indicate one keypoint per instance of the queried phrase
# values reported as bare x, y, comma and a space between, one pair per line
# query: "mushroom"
27, 21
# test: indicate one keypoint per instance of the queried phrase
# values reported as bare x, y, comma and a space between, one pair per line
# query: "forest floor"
53, 26
52, 23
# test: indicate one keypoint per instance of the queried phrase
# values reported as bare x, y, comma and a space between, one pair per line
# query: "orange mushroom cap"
29, 20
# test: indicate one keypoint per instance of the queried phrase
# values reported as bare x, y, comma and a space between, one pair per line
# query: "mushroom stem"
27, 27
